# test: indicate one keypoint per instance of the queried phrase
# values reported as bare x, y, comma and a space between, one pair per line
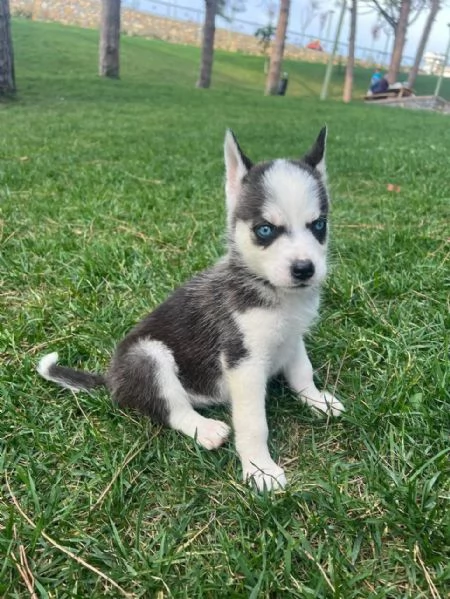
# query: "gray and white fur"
220, 337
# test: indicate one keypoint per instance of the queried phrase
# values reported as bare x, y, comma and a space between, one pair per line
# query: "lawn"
110, 196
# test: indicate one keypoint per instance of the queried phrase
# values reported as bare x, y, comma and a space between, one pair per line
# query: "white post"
444, 64
326, 81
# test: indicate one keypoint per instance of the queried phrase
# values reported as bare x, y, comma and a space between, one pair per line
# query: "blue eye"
319, 224
265, 231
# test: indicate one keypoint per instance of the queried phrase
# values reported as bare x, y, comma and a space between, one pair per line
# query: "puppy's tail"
76, 380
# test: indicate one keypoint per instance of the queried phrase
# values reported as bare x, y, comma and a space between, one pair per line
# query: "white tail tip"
45, 364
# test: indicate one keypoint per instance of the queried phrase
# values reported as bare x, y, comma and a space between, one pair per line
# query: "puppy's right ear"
236, 165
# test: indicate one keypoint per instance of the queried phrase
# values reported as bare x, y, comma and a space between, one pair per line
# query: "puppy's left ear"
237, 166
316, 155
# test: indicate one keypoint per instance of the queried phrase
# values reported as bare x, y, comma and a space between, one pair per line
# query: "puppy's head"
277, 215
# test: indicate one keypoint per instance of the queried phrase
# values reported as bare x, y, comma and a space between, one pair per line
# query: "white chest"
272, 335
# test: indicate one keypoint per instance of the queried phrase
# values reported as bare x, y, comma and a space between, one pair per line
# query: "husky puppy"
220, 337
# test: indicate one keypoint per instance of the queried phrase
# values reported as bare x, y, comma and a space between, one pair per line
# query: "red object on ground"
315, 45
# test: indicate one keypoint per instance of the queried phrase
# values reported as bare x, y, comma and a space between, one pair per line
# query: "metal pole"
447, 53
326, 81
330, 20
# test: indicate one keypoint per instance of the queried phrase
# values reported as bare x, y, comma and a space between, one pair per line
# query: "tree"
264, 36
109, 39
276, 57
7, 77
323, 18
348, 84
227, 10
308, 14
375, 32
209, 32
399, 14
434, 9
399, 40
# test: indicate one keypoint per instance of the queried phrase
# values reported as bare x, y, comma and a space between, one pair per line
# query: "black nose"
302, 270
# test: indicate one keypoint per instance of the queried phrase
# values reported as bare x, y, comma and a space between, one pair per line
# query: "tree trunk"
109, 39
399, 42
348, 84
434, 9
7, 78
276, 57
209, 31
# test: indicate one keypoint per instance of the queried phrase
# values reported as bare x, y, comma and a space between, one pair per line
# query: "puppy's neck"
246, 278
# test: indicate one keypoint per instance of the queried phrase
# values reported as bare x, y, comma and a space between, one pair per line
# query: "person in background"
380, 86
375, 78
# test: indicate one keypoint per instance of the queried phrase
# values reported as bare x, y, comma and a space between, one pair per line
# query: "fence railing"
180, 12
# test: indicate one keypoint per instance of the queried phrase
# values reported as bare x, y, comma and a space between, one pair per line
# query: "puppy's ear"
316, 155
236, 166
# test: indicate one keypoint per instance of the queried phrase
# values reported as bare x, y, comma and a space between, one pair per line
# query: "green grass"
110, 196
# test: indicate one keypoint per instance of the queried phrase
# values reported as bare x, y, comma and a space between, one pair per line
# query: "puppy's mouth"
296, 286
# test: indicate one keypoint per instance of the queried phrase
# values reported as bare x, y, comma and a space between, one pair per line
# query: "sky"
256, 11
437, 42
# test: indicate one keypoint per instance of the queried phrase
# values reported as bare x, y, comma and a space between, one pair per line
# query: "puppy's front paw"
212, 433
326, 403
267, 476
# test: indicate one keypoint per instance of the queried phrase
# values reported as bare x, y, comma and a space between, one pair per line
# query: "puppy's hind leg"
149, 382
